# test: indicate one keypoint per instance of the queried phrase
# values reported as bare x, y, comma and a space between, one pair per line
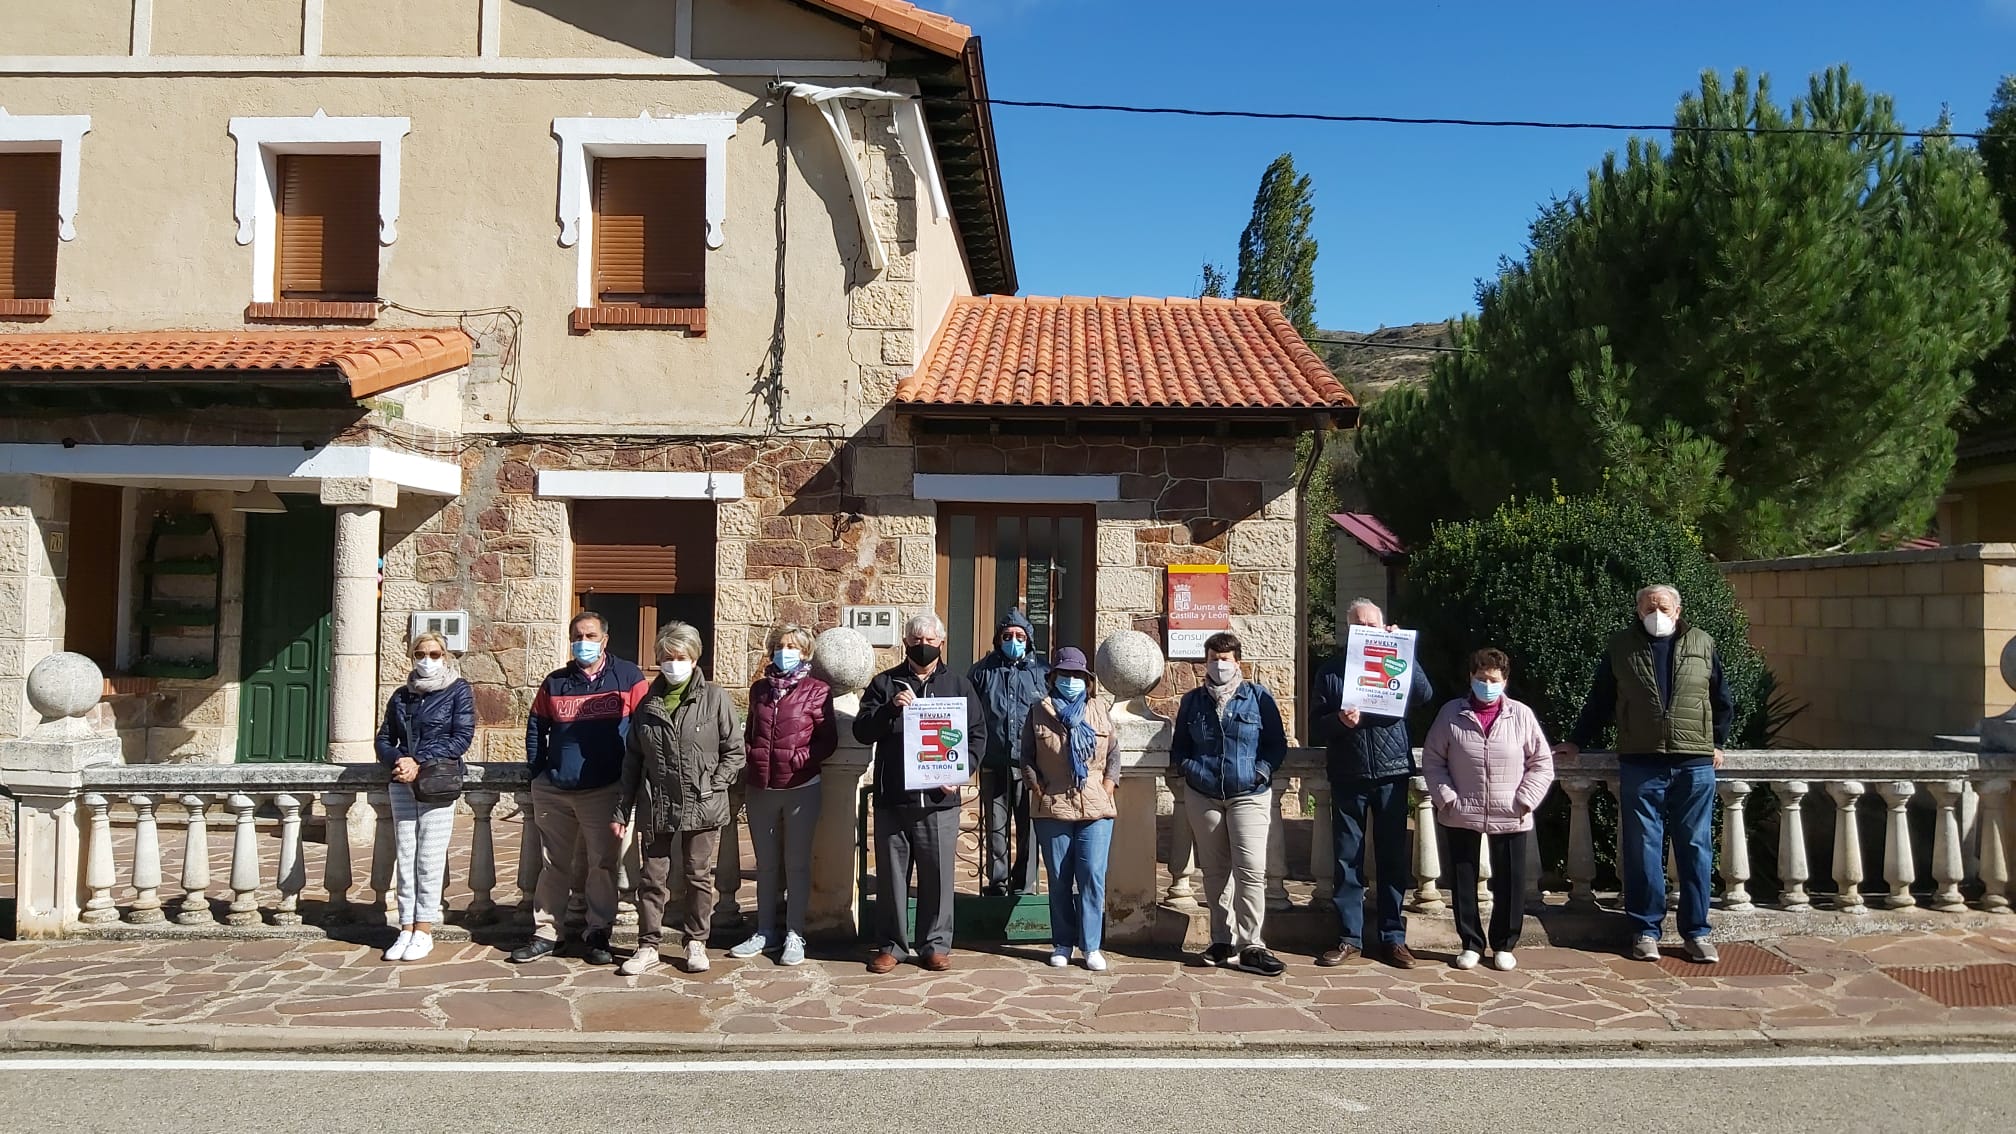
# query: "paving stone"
1132, 1022
642, 1011
1528, 1017
896, 1022
413, 998
501, 1011
1715, 1019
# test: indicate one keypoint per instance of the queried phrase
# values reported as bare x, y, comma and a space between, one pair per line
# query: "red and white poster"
1199, 605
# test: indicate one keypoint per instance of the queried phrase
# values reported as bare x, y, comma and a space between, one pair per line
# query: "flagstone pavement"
281, 993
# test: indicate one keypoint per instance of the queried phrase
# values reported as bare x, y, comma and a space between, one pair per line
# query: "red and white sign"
1199, 605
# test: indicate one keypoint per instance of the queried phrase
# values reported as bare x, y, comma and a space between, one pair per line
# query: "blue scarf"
1084, 738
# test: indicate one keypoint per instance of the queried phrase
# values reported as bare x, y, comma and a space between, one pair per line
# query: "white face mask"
1660, 624
428, 667
1223, 671
677, 671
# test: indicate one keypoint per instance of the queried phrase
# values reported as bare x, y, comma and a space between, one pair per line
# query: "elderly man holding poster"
929, 733
1362, 698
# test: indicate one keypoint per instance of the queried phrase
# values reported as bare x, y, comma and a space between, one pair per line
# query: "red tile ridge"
932, 30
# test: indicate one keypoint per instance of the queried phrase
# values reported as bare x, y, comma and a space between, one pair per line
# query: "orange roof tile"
371, 362
942, 34
1028, 352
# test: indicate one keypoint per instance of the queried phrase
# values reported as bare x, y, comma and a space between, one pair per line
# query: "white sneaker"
398, 950
1060, 958
794, 950
640, 962
1095, 961
1504, 961
696, 956
1468, 959
421, 945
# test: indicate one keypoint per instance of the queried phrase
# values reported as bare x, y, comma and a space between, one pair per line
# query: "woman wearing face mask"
791, 732
1073, 772
1227, 743
1488, 767
683, 755
431, 717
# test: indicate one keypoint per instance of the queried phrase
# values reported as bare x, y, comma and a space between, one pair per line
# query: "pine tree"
1277, 256
1993, 402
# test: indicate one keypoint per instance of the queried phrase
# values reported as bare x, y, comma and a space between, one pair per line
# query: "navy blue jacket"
427, 726
1230, 756
1379, 747
1008, 690
579, 725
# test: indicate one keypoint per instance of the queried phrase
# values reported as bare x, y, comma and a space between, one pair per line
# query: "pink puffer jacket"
1490, 783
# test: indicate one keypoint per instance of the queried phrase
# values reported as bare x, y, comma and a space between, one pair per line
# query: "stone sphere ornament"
2009, 663
1129, 664
65, 685
843, 659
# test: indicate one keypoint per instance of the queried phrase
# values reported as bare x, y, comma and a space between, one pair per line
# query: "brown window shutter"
637, 547
28, 225
328, 226
651, 231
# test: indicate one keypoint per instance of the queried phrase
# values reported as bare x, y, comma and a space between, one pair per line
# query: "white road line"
884, 1063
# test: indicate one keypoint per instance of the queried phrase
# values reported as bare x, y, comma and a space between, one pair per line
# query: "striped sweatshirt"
579, 724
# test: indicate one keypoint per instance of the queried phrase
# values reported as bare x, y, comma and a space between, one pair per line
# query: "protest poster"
935, 744
1378, 670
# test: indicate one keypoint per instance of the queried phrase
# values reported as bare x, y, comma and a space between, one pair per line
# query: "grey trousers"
904, 834
578, 855
1231, 838
781, 822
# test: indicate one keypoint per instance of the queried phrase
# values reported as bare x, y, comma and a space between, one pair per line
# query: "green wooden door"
283, 699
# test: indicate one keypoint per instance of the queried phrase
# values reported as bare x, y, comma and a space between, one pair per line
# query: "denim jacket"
1232, 756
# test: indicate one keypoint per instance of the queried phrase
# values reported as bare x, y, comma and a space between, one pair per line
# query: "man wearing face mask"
1661, 683
574, 743
1010, 679
920, 827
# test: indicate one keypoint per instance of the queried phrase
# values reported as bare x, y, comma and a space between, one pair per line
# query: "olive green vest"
1644, 728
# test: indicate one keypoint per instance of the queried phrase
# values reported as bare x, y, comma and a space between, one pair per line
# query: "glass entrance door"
991, 558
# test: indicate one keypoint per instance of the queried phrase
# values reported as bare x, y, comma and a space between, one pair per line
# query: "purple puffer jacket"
1490, 783
788, 736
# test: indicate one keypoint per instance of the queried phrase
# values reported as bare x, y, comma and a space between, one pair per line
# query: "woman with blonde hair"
790, 733
429, 724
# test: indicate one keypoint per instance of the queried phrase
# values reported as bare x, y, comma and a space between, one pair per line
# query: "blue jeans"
1657, 800
1387, 800
1075, 855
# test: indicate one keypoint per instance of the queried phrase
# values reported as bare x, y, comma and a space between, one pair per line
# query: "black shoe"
1220, 956
533, 950
1257, 960
992, 891
595, 949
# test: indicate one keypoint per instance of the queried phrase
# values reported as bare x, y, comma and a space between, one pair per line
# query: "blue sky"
1407, 217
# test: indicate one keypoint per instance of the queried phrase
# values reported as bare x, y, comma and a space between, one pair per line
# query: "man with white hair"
1661, 683
915, 826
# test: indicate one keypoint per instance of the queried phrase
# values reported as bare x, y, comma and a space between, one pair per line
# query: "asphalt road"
877, 1092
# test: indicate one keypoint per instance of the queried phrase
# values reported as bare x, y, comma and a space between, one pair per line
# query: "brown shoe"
882, 964
1344, 951
1399, 956
936, 962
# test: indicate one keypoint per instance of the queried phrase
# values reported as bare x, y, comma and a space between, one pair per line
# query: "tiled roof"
942, 34
371, 362
1371, 534
1025, 352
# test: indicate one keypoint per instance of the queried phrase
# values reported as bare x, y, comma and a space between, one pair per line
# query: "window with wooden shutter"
651, 231
28, 185
328, 226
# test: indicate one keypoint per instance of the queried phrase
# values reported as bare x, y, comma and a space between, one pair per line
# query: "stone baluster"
1322, 853
1793, 871
1277, 852
293, 873
336, 873
1994, 854
382, 855
244, 879
1948, 867
529, 863
1581, 843
99, 872
1899, 867
195, 907
1847, 847
146, 864
1735, 845
1182, 852
482, 857
1427, 850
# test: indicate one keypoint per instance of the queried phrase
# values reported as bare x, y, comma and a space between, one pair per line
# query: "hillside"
1387, 357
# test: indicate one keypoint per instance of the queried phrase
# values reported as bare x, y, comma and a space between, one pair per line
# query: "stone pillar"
31, 596
353, 635
844, 660
44, 772
1129, 664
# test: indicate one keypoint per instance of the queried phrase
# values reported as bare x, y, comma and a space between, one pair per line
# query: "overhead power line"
1404, 120
1328, 340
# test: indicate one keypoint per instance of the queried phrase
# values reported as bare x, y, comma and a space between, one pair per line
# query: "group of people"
612, 753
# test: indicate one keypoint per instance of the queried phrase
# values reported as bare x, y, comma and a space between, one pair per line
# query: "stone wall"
31, 596
1885, 650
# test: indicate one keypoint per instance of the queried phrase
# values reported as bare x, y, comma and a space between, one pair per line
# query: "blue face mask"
586, 652
786, 660
1013, 648
1070, 688
1486, 692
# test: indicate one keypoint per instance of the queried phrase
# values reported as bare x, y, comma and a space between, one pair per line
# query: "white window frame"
261, 141
62, 134
703, 136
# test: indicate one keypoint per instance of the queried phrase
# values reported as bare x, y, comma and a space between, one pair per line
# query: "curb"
30, 1035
